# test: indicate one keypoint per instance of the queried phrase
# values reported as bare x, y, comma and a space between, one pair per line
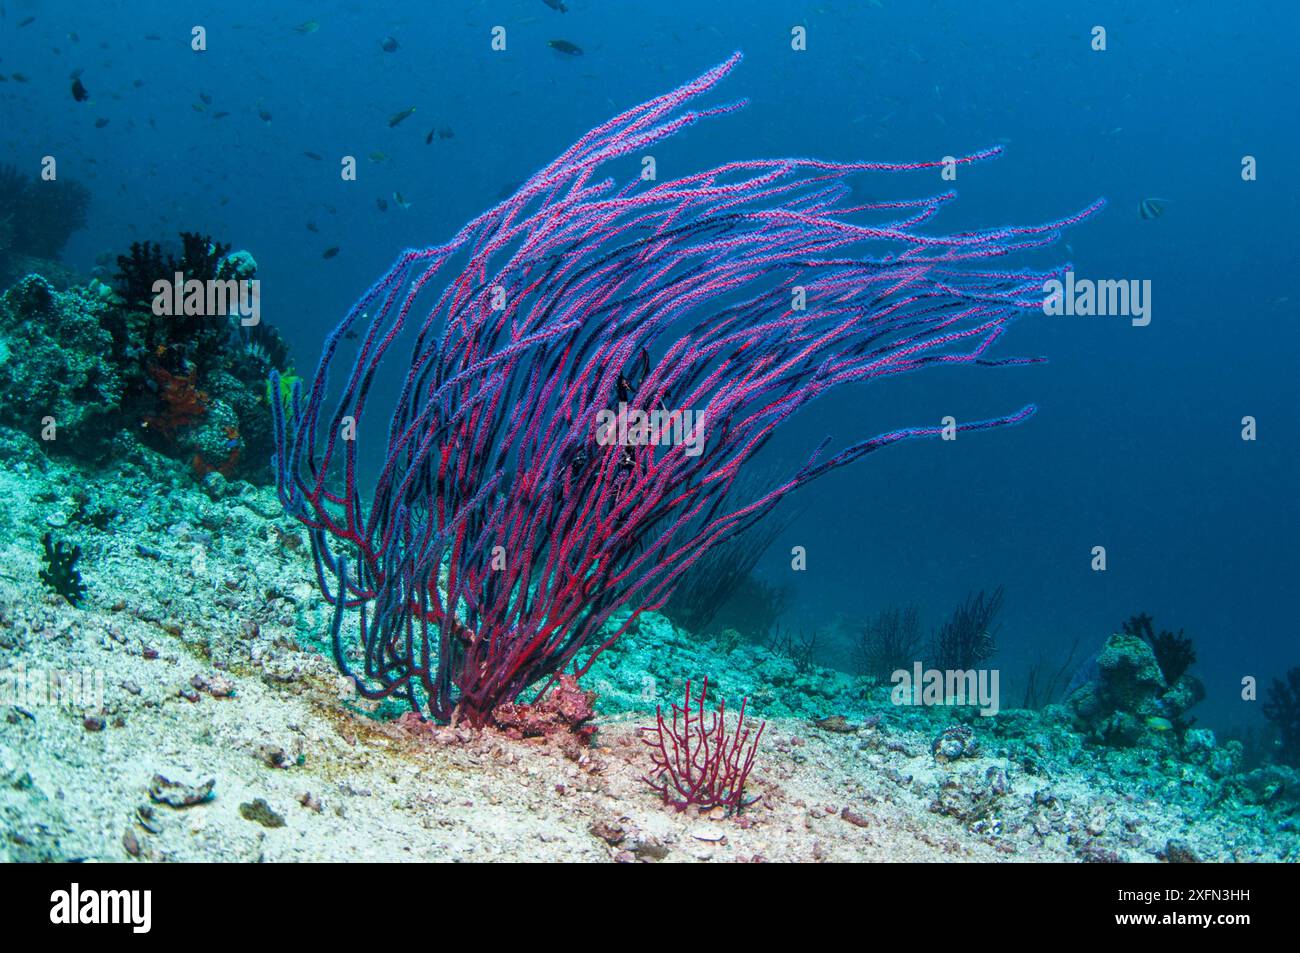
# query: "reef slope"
202, 620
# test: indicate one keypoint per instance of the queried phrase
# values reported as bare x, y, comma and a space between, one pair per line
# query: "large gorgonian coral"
502, 536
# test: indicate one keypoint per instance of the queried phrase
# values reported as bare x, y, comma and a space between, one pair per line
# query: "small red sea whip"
695, 765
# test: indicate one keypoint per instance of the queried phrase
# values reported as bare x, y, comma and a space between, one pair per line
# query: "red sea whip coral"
696, 765
502, 541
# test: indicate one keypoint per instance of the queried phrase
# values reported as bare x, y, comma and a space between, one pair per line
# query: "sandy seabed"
195, 620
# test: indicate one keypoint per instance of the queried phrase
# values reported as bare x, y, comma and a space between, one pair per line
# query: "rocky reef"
89, 369
1127, 698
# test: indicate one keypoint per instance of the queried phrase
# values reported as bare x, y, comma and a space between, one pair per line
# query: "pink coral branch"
695, 765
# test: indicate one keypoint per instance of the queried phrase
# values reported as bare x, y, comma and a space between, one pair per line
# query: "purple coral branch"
501, 538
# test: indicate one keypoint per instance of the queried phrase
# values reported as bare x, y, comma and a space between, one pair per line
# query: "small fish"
310, 26
198, 107
837, 724
18, 77
263, 114
26, 22
378, 157
330, 252
79, 91
1151, 208
390, 44
398, 117
206, 98
101, 122
220, 115
429, 138
152, 36
312, 155
311, 227
1156, 723
401, 202
565, 47
556, 5
381, 204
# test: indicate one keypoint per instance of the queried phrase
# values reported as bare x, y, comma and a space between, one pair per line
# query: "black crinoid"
201, 258
264, 350
137, 272
183, 341
1174, 653
60, 572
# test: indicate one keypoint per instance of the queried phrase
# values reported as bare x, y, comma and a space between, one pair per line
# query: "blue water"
1136, 446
